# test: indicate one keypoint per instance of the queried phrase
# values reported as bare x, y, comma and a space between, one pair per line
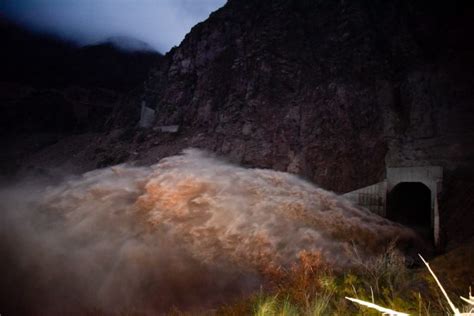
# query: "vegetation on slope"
313, 288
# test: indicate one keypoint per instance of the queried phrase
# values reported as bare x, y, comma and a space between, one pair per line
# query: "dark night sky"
160, 23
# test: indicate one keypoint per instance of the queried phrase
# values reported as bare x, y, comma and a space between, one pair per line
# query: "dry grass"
465, 311
312, 288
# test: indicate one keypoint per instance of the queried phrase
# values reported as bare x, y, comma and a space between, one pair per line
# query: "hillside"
51, 90
266, 113
332, 91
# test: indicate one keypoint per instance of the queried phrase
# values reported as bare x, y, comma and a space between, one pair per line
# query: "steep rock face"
326, 89
273, 86
332, 90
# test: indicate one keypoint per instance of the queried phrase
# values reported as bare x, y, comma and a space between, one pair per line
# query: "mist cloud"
189, 231
160, 23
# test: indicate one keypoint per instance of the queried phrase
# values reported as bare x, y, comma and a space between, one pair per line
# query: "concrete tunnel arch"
430, 177
413, 184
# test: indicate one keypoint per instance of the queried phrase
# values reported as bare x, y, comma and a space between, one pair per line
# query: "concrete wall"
430, 176
147, 116
372, 197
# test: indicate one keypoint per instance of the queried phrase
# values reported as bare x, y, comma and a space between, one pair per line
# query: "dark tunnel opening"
409, 203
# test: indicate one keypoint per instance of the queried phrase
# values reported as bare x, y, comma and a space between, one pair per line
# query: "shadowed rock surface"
331, 90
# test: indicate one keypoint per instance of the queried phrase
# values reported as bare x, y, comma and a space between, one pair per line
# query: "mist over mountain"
160, 23
128, 44
43, 60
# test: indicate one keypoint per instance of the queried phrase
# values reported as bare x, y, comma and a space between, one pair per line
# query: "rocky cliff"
332, 90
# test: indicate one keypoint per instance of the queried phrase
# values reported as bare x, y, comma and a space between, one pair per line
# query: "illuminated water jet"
190, 230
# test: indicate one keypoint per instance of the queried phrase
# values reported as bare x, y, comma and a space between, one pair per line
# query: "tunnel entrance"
408, 195
409, 203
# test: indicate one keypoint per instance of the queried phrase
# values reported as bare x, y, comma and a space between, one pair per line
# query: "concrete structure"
147, 116
381, 197
372, 197
167, 129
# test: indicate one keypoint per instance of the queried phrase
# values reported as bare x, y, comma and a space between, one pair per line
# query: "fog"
160, 23
192, 230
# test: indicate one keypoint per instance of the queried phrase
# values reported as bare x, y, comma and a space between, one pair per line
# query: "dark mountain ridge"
41, 60
51, 85
51, 90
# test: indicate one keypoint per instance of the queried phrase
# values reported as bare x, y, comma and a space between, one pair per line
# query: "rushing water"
189, 230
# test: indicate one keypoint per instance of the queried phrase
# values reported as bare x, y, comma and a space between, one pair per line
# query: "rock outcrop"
335, 91
332, 90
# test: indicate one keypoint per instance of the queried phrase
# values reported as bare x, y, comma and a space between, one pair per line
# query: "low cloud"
160, 23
